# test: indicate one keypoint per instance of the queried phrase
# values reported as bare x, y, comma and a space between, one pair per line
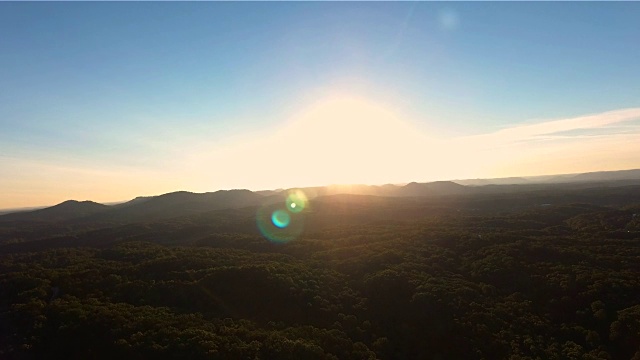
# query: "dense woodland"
524, 276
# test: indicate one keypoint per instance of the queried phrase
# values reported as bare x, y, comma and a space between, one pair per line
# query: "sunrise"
159, 105
319, 180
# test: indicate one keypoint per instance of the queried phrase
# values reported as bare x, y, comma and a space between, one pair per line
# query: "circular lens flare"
277, 224
296, 201
281, 224
280, 218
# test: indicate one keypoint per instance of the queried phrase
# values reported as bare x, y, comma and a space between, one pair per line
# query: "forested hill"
183, 203
520, 275
169, 205
67, 210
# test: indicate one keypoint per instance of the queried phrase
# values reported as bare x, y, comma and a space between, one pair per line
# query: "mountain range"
183, 203
633, 174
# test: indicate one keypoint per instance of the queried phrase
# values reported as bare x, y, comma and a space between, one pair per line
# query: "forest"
536, 274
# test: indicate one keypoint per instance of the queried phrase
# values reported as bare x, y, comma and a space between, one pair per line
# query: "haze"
108, 101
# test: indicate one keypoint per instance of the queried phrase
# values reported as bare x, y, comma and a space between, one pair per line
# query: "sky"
109, 101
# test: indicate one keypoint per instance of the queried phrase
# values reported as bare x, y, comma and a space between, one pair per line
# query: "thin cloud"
557, 129
605, 141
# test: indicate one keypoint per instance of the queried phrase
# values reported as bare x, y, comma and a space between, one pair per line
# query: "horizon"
4, 211
107, 101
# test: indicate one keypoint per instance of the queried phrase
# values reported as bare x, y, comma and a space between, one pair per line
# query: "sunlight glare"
338, 140
349, 139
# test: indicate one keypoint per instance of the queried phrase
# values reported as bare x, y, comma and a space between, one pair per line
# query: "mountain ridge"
66, 210
179, 203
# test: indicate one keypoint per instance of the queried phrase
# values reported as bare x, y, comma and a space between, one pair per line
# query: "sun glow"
352, 140
339, 140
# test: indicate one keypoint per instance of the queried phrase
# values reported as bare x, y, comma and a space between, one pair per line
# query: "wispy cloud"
595, 124
605, 141
321, 147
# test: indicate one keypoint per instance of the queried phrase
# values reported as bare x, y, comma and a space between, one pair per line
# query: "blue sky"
128, 91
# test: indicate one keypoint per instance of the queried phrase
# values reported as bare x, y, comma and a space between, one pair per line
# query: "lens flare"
283, 221
296, 201
280, 218
449, 20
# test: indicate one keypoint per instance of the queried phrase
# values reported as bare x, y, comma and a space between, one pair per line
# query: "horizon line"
4, 211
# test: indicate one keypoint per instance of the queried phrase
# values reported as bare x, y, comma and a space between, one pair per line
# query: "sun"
349, 139
336, 140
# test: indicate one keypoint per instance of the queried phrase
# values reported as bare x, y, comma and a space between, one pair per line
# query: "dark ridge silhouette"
412, 189
180, 203
21, 209
607, 175
597, 176
70, 209
137, 200
269, 192
431, 189
164, 206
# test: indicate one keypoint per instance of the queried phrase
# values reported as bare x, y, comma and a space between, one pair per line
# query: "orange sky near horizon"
339, 140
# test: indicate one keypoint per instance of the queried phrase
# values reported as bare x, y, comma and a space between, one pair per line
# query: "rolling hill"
70, 209
183, 203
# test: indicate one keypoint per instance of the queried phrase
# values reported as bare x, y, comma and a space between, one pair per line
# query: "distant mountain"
68, 210
269, 192
474, 182
608, 175
183, 203
354, 189
179, 203
138, 200
495, 181
412, 189
598, 176
23, 209
165, 206
431, 189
